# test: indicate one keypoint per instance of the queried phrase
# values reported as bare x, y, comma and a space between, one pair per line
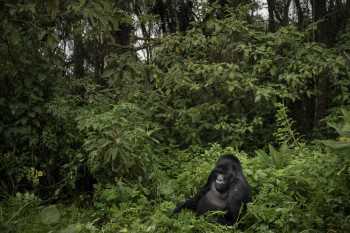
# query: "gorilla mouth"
220, 179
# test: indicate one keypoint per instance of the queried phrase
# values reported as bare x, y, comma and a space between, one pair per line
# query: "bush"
118, 141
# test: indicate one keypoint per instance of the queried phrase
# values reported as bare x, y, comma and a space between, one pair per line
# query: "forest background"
113, 111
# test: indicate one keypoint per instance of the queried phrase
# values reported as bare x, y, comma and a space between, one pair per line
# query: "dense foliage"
114, 111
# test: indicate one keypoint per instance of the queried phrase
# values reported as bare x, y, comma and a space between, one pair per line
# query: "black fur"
226, 190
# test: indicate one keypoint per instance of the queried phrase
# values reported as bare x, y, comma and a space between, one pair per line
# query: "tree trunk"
122, 37
300, 14
185, 15
78, 56
99, 57
285, 19
271, 9
319, 10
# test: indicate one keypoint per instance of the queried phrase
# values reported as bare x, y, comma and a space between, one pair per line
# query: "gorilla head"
225, 173
226, 190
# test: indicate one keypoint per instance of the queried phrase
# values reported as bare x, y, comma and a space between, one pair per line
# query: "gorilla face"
224, 174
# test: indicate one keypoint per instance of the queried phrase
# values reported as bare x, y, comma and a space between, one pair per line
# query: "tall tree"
300, 13
174, 15
278, 13
223, 5
271, 9
78, 56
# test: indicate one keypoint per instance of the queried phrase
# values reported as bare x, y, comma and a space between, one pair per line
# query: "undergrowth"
294, 190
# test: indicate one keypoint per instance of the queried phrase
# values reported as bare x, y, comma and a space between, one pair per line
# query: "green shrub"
26, 213
118, 141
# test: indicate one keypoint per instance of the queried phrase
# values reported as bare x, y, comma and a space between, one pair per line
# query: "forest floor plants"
294, 190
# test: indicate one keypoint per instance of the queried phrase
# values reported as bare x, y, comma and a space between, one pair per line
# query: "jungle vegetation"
113, 111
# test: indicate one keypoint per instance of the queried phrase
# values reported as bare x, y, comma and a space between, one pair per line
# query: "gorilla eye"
221, 168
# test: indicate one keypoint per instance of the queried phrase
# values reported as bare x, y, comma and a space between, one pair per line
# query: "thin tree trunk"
78, 56
185, 15
319, 11
99, 57
285, 19
300, 14
271, 9
123, 37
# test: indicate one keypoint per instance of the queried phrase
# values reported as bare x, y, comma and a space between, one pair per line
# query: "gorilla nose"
220, 179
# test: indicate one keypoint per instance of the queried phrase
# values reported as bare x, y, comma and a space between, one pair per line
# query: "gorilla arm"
239, 195
191, 203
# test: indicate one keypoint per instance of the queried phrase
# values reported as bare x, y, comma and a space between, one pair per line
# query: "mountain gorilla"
226, 190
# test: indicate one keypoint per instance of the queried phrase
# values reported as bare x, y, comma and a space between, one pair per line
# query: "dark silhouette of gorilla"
226, 190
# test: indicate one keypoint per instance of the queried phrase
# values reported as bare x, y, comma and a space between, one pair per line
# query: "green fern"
342, 143
284, 133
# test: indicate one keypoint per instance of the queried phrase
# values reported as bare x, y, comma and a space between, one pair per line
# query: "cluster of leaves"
284, 133
35, 134
118, 141
39, 100
223, 81
25, 213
